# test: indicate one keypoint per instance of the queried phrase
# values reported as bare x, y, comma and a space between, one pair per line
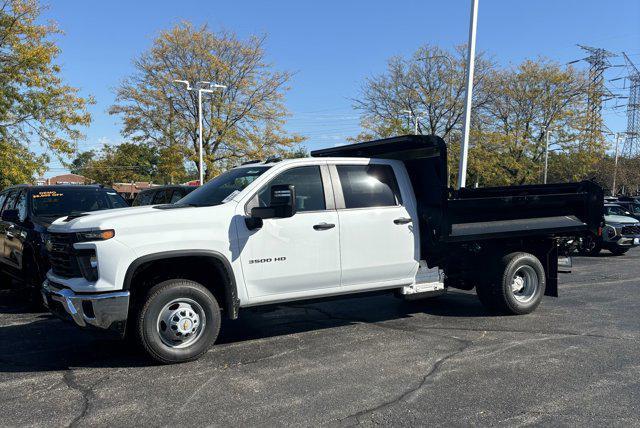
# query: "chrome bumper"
106, 311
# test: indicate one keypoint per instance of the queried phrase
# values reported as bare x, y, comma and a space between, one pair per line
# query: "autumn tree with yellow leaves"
243, 120
36, 107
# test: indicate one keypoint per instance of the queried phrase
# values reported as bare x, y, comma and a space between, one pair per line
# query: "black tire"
591, 246
617, 251
496, 293
148, 322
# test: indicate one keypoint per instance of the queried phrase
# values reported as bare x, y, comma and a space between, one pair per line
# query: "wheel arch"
231, 302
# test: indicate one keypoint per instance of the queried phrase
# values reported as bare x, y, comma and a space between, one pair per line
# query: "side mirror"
283, 205
10, 216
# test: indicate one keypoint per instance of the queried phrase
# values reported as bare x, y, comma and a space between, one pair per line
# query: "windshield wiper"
174, 206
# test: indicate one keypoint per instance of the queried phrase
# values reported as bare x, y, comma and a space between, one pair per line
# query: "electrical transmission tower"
598, 60
632, 142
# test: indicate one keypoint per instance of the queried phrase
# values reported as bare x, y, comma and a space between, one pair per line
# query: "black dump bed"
466, 215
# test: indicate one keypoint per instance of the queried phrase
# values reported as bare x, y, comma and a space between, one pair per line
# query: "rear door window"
367, 186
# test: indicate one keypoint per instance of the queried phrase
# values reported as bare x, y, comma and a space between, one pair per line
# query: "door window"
366, 186
308, 184
144, 198
21, 206
176, 196
11, 200
161, 197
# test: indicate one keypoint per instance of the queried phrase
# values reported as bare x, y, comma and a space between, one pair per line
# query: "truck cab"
271, 232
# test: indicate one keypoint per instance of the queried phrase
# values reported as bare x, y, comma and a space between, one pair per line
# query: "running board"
428, 283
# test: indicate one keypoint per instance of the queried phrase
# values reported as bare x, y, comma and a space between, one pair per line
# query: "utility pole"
615, 164
200, 92
632, 141
546, 153
471, 56
598, 60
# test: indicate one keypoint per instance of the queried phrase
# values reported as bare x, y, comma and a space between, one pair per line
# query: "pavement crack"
412, 393
87, 393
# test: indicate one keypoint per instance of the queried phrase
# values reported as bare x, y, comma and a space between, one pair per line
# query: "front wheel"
591, 246
515, 287
618, 251
178, 322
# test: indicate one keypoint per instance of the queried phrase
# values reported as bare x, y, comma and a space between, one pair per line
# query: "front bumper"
105, 311
623, 241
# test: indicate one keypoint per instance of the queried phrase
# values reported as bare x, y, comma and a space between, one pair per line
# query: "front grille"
62, 255
631, 230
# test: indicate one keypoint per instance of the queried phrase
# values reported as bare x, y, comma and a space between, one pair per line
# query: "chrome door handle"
324, 226
402, 220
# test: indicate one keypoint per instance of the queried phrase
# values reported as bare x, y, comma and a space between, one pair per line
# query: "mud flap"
551, 271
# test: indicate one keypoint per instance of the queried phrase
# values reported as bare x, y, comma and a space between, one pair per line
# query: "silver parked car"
620, 233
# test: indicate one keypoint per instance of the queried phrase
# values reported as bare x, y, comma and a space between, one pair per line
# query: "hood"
135, 219
619, 219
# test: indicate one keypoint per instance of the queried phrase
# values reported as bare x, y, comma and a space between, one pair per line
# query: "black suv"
162, 195
26, 212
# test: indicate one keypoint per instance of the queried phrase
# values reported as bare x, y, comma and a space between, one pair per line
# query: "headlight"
96, 235
611, 231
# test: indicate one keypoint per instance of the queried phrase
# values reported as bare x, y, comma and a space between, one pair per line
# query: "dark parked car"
162, 195
631, 205
27, 211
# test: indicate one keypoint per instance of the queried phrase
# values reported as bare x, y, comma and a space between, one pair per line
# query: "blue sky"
332, 46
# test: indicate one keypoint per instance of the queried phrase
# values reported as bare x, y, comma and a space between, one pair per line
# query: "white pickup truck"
364, 217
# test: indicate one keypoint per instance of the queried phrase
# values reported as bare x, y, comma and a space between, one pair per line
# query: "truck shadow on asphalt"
35, 342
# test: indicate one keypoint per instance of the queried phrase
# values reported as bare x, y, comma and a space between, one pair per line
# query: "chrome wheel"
524, 284
181, 323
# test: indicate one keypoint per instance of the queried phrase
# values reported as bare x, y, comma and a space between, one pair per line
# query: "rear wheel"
178, 322
515, 287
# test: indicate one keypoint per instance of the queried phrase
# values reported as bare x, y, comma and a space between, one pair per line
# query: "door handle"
402, 220
324, 226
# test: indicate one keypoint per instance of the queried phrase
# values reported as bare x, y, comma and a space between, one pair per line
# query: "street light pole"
200, 92
615, 164
471, 54
415, 122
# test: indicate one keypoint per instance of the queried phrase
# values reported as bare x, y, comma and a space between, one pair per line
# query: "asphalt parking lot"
365, 360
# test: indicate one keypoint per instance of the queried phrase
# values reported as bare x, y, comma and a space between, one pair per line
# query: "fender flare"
231, 290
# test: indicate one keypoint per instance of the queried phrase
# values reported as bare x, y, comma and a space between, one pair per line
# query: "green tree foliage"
36, 106
245, 120
130, 162
81, 161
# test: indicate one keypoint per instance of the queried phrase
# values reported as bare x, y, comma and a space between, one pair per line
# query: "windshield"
62, 202
615, 210
223, 187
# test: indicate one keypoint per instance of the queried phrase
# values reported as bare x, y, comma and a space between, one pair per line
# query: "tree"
523, 104
35, 104
126, 162
245, 120
81, 162
429, 85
